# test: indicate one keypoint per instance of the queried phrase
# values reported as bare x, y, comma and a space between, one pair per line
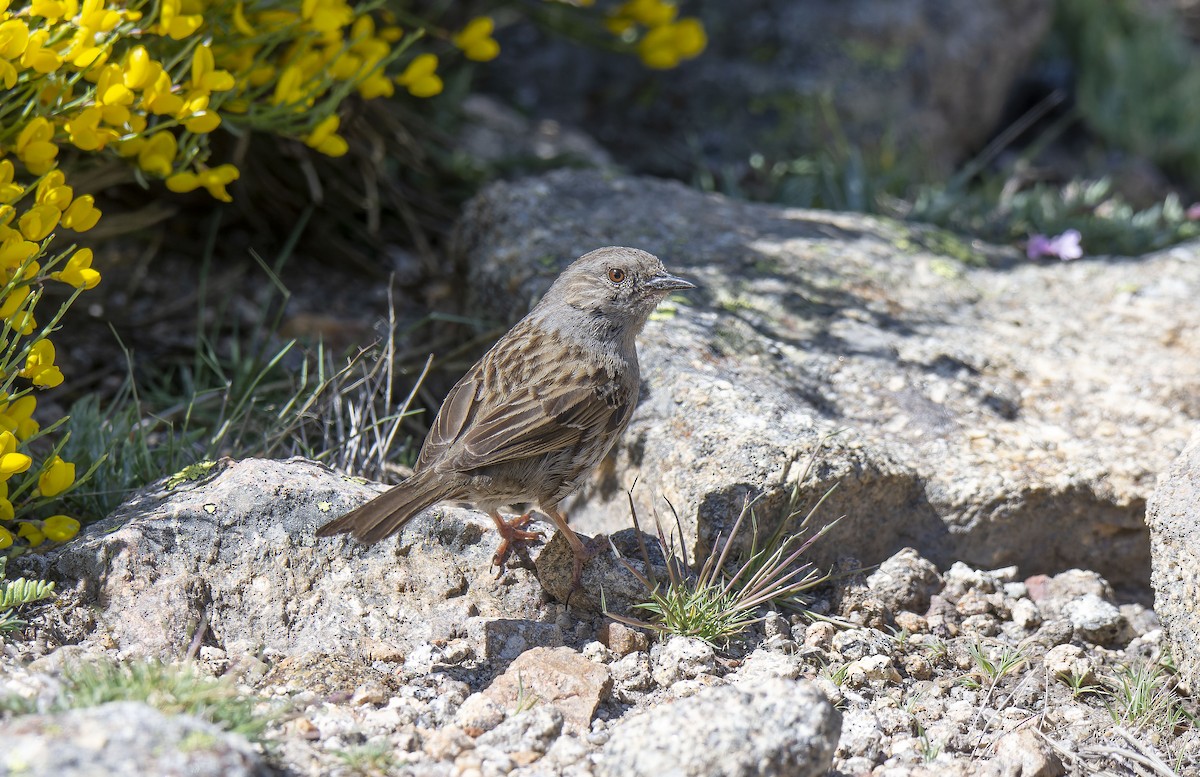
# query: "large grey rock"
231, 562
777, 728
926, 80
124, 738
1174, 520
992, 409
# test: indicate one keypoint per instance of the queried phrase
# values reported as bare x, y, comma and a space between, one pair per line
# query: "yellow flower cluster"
666, 41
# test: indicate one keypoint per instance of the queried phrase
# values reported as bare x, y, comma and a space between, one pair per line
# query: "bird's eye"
616, 275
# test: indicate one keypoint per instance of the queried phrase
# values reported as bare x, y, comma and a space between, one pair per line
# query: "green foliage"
1142, 695
173, 689
723, 598
14, 593
1137, 79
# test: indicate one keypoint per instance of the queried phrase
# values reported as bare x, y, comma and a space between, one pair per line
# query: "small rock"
1094, 619
446, 744
905, 581
478, 714
765, 664
557, 676
911, 622
819, 635
596, 652
681, 658
1070, 661
776, 627
503, 639
1023, 753
917, 667
622, 639
1025, 614
859, 643
776, 729
604, 571
871, 670
533, 730
984, 624
861, 736
1054, 632
631, 677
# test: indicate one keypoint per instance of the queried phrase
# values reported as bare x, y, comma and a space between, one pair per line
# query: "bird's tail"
387, 513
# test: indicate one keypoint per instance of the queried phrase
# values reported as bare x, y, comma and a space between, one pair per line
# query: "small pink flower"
1193, 212
1066, 246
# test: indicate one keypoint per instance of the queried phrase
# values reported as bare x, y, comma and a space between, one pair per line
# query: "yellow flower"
476, 39
35, 146
39, 221
52, 10
214, 180
52, 190
13, 301
84, 131
39, 366
83, 52
14, 37
666, 46
60, 528
32, 534
326, 15
324, 137
81, 215
17, 417
290, 86
158, 154
56, 476
79, 272
239, 21
38, 58
96, 17
6, 538
174, 24
419, 77
14, 253
139, 68
651, 13
11, 462
9, 191
205, 75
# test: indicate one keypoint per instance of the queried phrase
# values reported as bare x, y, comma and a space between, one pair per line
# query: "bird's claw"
512, 532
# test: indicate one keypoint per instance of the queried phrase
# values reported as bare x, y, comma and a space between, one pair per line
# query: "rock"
621, 639
503, 639
871, 670
479, 714
946, 367
1095, 620
533, 730
928, 77
681, 658
861, 736
777, 728
1023, 753
631, 677
1025, 614
234, 558
1068, 662
905, 581
125, 738
1174, 521
854, 644
496, 135
556, 676
606, 581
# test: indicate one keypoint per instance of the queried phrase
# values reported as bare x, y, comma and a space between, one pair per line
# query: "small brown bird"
540, 410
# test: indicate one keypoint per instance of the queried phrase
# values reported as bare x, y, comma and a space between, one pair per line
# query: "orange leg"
511, 532
580, 553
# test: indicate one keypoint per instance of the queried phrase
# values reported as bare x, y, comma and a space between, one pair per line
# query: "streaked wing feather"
457, 409
534, 426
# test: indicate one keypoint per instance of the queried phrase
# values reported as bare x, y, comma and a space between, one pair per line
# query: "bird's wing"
554, 416
458, 408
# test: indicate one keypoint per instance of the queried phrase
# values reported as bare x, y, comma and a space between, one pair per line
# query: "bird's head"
615, 287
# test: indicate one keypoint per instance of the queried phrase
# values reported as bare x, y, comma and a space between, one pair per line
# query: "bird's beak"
666, 282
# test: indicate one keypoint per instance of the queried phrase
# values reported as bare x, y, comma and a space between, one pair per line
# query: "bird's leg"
511, 532
580, 553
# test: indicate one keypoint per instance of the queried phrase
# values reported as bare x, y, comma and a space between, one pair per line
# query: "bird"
534, 416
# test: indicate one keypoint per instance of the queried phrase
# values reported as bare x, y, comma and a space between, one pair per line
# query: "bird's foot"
511, 532
580, 555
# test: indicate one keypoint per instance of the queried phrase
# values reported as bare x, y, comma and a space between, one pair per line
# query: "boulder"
1174, 520
968, 403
